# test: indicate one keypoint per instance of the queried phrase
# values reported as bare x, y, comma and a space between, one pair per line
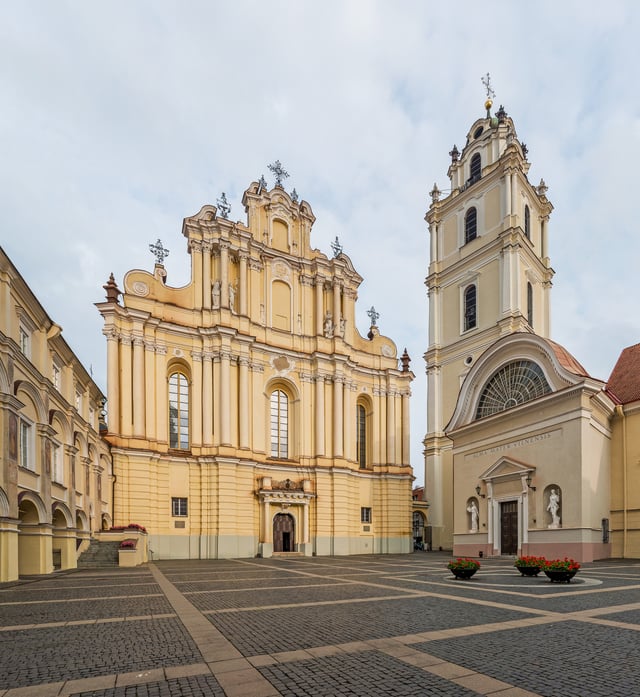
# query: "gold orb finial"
488, 104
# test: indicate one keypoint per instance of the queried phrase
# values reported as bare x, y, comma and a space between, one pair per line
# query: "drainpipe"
621, 414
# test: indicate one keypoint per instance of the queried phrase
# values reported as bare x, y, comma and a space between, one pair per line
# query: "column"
319, 420
152, 397
243, 285
195, 247
391, 427
207, 398
244, 402
217, 406
338, 416
225, 398
162, 395
125, 385
138, 388
337, 306
514, 199
305, 522
406, 430
206, 276
319, 306
113, 378
196, 399
267, 531
224, 274
507, 194
349, 422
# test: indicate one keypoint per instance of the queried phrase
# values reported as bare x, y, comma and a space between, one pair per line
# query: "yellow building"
624, 388
518, 448
55, 469
246, 414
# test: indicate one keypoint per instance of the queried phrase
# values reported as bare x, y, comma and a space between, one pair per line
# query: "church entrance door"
509, 527
283, 533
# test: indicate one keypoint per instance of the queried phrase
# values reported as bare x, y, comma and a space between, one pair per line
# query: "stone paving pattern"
321, 627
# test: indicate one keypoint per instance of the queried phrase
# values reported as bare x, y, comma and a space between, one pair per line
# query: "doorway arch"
283, 533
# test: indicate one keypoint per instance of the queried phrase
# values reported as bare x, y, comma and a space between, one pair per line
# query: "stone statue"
553, 508
343, 325
215, 295
328, 325
232, 298
475, 514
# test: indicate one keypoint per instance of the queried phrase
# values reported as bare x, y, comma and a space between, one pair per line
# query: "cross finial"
160, 252
223, 206
373, 315
279, 172
486, 81
336, 247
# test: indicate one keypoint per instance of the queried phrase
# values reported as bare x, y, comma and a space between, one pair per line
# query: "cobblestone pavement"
321, 627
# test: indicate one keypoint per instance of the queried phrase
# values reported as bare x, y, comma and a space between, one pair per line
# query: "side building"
246, 414
55, 469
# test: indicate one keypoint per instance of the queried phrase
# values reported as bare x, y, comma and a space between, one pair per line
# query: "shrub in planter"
561, 570
128, 544
463, 567
529, 565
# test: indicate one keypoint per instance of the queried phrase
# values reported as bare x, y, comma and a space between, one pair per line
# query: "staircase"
98, 555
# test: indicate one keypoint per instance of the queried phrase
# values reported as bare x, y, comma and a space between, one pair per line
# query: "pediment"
507, 468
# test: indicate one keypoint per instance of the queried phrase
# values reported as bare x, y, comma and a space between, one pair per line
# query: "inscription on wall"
532, 440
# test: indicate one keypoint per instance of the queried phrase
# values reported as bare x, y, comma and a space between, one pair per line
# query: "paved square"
319, 627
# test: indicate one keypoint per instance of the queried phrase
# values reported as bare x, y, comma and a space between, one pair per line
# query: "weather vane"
373, 315
160, 252
223, 206
486, 81
336, 247
278, 172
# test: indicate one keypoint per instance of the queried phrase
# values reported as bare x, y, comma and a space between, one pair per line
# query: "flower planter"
560, 576
463, 573
528, 570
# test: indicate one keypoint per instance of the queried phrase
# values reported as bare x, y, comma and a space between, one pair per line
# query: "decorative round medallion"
177, 353
140, 288
387, 351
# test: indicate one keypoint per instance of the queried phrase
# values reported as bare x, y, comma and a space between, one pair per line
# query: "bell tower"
489, 276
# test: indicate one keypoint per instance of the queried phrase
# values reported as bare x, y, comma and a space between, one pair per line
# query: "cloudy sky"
121, 118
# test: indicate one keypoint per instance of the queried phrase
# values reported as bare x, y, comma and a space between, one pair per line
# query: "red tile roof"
567, 361
624, 381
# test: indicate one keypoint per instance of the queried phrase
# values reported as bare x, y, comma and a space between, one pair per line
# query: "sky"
121, 118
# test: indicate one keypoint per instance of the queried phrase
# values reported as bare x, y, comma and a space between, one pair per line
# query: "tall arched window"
530, 304
470, 225
279, 405
527, 222
178, 411
361, 435
470, 308
475, 168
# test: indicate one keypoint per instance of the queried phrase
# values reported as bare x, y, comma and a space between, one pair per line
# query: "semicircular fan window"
514, 384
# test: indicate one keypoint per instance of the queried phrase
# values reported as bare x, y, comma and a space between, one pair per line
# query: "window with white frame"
25, 342
57, 465
178, 507
178, 411
470, 225
365, 515
361, 435
279, 413
56, 376
27, 446
470, 310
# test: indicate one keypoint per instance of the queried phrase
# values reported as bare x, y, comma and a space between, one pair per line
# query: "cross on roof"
373, 315
486, 81
159, 251
279, 172
223, 206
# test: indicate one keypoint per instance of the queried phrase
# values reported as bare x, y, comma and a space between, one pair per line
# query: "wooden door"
509, 527
283, 537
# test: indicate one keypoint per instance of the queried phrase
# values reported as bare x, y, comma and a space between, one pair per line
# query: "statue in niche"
343, 324
554, 507
215, 295
232, 298
328, 325
475, 515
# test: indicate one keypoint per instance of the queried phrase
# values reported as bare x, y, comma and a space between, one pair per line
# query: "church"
525, 452
246, 413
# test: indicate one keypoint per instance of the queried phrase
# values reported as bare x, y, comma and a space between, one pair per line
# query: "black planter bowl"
560, 576
528, 570
463, 574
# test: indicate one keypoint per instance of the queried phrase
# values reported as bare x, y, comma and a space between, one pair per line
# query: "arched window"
178, 411
475, 168
515, 383
361, 435
470, 225
530, 304
279, 405
527, 222
470, 308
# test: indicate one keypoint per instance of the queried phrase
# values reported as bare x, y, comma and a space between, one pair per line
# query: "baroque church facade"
523, 446
246, 414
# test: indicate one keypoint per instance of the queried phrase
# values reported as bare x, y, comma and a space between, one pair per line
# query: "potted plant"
561, 570
463, 568
529, 565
